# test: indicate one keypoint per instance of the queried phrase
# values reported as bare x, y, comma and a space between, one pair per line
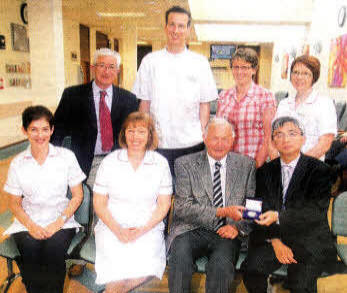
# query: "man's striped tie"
217, 192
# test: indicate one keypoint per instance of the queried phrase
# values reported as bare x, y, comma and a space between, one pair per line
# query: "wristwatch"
242, 233
64, 217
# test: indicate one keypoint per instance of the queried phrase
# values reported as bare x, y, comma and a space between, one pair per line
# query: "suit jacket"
303, 224
194, 192
76, 117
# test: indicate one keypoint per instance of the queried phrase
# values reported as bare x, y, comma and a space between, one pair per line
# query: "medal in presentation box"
253, 209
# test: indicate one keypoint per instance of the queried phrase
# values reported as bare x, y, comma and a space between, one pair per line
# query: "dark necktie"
217, 192
106, 130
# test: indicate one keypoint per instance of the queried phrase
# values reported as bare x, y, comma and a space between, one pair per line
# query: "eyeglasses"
304, 74
241, 68
106, 66
282, 135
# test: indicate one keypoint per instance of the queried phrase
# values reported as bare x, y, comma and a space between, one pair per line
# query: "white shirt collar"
97, 90
292, 163
309, 100
213, 161
147, 160
52, 151
182, 53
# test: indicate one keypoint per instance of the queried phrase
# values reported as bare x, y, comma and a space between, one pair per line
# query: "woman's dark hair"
311, 62
33, 113
246, 54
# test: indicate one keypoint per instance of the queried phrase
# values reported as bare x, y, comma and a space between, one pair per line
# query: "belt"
100, 156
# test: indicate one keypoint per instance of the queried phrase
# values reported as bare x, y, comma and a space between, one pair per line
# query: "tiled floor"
333, 284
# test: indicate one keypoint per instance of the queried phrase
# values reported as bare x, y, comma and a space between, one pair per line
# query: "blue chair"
8, 248
339, 224
84, 216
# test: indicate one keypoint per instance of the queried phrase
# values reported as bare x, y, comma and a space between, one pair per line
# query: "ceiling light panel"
121, 14
249, 33
266, 11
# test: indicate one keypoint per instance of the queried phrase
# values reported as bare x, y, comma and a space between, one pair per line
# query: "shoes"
76, 270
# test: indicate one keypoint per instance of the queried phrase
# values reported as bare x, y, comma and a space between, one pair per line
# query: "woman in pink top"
249, 107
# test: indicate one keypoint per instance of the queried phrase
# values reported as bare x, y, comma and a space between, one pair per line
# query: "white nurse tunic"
132, 200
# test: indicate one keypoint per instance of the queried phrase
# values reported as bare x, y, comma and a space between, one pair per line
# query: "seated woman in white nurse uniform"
37, 184
132, 196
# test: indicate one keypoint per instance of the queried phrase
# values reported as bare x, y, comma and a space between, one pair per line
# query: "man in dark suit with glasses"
92, 114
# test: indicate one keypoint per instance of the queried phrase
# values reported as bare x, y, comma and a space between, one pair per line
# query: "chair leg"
11, 277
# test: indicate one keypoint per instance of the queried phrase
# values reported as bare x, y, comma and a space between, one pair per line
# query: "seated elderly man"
293, 228
211, 186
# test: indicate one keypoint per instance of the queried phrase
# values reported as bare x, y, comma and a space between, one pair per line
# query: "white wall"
45, 32
71, 31
323, 28
10, 13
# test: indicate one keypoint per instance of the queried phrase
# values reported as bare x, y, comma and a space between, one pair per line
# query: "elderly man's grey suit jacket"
193, 205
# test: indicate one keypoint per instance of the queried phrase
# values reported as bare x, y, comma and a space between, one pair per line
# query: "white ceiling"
252, 11
214, 20
149, 27
250, 20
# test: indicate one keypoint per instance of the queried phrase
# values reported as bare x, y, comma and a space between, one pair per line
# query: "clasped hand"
40, 233
127, 235
232, 212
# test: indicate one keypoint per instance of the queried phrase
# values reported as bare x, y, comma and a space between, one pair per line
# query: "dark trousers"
42, 262
187, 248
172, 154
261, 261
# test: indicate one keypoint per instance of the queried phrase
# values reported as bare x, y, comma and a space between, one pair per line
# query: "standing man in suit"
293, 228
176, 86
92, 114
210, 188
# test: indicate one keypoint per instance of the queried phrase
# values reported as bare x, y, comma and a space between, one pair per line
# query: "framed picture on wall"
20, 40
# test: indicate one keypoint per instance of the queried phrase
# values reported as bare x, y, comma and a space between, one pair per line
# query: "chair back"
84, 214
66, 142
339, 215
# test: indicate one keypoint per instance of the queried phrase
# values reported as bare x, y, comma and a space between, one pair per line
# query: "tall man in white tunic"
176, 86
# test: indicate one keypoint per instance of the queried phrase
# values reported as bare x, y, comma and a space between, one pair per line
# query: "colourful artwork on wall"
287, 59
337, 75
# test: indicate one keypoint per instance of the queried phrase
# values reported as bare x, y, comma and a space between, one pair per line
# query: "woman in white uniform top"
37, 184
316, 112
132, 195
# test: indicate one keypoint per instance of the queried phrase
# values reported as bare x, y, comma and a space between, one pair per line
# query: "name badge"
253, 209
